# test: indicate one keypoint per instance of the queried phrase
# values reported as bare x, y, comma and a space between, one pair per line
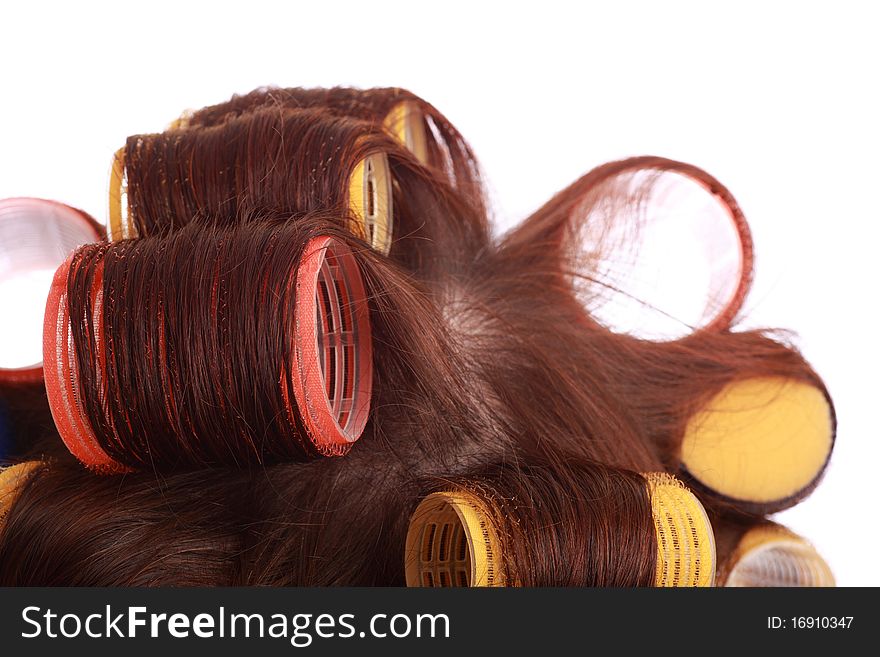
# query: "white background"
778, 100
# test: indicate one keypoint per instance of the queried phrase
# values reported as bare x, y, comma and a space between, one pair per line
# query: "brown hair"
297, 161
490, 373
446, 153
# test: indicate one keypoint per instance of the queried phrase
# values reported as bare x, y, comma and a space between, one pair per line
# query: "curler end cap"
406, 123
760, 442
333, 368
370, 200
11, 478
60, 374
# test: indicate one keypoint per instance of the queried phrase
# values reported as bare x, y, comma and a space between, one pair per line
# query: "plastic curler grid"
452, 542
370, 202
333, 346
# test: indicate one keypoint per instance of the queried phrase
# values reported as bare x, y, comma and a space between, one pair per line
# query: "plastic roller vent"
334, 345
370, 201
452, 542
685, 541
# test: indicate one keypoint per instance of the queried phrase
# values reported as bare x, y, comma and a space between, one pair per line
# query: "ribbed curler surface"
62, 376
215, 395
770, 555
35, 237
685, 541
11, 479
406, 123
452, 541
370, 201
761, 442
369, 189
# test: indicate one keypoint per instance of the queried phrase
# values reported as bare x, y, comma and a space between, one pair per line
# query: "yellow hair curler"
771, 555
369, 199
406, 123
452, 542
685, 541
370, 202
120, 225
761, 442
11, 479
452, 539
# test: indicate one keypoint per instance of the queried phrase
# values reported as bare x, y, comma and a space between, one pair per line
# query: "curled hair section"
490, 529
212, 345
294, 162
297, 161
653, 248
298, 274
415, 123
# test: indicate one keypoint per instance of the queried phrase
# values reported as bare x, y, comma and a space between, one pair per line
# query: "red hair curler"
330, 368
333, 364
61, 373
35, 237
